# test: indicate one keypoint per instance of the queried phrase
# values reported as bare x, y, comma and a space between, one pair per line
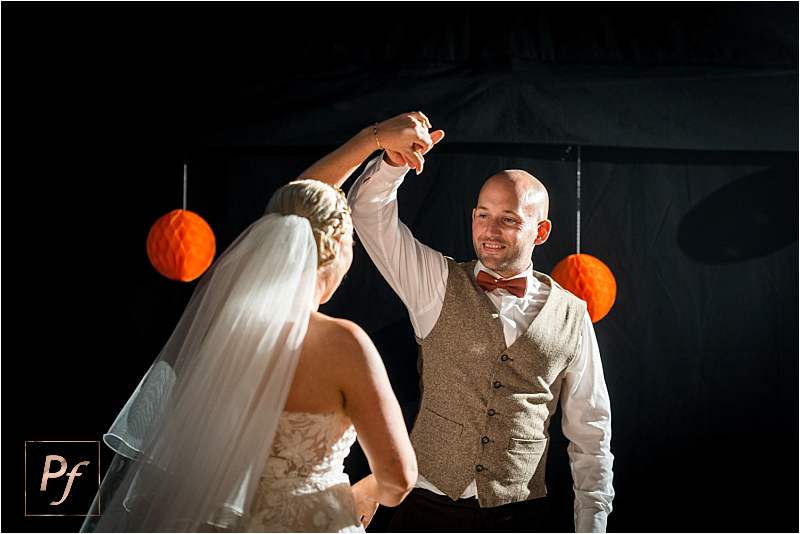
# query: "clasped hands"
365, 495
406, 138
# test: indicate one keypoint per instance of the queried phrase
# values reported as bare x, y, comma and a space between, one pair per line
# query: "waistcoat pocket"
432, 430
527, 446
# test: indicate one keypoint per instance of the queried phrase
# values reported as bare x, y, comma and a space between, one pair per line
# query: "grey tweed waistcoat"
485, 407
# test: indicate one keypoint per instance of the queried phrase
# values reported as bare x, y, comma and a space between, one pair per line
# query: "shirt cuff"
379, 171
590, 521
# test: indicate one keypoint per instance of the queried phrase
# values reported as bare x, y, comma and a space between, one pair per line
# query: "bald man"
500, 345
509, 220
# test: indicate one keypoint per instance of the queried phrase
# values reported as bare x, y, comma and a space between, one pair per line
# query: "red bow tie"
515, 286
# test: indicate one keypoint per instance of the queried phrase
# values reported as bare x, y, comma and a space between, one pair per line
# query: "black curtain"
686, 116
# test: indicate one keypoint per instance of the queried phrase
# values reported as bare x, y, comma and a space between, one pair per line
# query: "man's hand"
365, 494
406, 139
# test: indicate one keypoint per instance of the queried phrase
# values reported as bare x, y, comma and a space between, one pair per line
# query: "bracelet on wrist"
375, 134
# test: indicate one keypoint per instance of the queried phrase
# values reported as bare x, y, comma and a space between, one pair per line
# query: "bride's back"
327, 355
303, 487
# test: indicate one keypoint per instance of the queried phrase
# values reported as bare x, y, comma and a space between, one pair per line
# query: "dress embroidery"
304, 487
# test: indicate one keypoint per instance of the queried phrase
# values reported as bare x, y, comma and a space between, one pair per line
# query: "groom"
500, 346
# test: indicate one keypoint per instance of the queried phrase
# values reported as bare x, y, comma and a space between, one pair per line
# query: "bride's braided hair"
324, 206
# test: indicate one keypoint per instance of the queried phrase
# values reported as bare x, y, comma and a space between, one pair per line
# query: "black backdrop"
687, 118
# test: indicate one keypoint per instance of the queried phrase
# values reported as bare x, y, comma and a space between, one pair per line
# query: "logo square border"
99, 501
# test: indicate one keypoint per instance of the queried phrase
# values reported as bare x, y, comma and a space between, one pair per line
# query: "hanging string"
578, 210
184, 186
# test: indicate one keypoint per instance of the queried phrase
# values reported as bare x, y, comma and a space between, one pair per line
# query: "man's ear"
543, 231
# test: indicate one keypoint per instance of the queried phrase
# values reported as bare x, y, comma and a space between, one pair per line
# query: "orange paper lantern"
181, 245
589, 279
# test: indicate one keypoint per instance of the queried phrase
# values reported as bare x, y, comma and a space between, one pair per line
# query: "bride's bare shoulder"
337, 335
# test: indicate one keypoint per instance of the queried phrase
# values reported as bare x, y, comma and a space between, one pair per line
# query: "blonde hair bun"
323, 205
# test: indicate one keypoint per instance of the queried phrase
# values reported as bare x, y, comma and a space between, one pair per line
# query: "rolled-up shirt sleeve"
416, 272
586, 423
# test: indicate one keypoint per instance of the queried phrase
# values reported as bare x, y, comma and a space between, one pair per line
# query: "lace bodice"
310, 445
304, 486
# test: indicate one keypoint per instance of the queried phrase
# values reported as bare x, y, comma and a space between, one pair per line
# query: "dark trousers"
425, 511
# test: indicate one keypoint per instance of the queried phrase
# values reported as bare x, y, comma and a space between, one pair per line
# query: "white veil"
192, 440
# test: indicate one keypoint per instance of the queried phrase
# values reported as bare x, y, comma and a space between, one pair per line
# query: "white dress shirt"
418, 274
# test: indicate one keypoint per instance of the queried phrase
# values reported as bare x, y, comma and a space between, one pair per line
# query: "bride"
244, 419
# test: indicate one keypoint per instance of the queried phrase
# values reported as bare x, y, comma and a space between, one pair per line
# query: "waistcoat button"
497, 384
504, 357
491, 411
479, 468
484, 440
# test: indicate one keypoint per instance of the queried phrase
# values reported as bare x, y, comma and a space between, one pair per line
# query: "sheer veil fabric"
192, 440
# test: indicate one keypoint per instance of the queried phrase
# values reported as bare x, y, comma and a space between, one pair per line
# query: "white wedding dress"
303, 487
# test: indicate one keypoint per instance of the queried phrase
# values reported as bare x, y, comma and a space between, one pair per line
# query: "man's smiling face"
509, 220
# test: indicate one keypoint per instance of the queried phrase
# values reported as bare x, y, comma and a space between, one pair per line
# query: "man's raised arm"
416, 272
